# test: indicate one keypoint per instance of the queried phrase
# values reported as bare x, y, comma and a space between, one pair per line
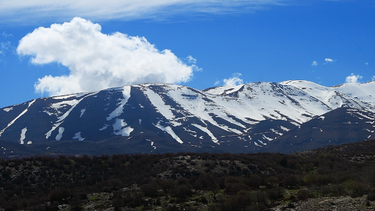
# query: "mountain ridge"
243, 118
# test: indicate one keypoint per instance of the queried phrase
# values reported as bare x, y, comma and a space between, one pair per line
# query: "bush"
182, 192
59, 195
150, 189
303, 195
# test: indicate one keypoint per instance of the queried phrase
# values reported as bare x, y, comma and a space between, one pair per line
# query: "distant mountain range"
158, 118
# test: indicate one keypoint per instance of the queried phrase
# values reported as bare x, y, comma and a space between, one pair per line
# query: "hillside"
190, 181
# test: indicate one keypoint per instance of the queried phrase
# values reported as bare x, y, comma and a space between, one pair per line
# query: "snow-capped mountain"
169, 118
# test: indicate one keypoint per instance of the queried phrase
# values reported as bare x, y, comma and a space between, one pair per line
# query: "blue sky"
195, 43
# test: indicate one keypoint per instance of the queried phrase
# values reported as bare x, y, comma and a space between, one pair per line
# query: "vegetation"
186, 181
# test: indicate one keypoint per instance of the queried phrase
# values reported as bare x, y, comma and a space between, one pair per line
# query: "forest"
186, 181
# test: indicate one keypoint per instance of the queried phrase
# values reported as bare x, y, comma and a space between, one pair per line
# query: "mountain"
157, 118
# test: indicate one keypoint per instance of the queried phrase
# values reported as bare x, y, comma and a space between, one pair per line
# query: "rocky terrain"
342, 203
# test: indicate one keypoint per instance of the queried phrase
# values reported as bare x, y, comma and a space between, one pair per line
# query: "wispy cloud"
234, 80
329, 60
124, 9
4, 46
353, 79
314, 63
4, 34
98, 61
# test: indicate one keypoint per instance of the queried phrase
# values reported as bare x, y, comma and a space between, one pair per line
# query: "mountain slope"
164, 117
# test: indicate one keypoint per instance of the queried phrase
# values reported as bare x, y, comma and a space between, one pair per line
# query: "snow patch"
120, 108
15, 119
170, 131
60, 134
62, 118
151, 143
284, 128
255, 143
206, 130
63, 104
262, 142
202, 107
49, 113
82, 112
23, 135
63, 97
104, 127
267, 138
121, 128
8, 109
189, 131
78, 136
276, 132
161, 107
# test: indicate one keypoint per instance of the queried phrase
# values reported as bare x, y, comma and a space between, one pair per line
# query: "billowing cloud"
98, 61
314, 63
234, 80
120, 9
353, 79
329, 60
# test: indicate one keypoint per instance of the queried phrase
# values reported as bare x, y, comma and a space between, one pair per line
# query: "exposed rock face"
342, 203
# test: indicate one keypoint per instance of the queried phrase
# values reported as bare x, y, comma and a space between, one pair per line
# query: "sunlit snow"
23, 135
160, 106
170, 131
120, 108
8, 109
15, 119
60, 119
232, 109
121, 128
208, 132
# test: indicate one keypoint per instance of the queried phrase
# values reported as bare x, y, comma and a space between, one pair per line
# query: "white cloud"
123, 9
314, 63
98, 61
234, 80
329, 60
191, 59
4, 46
6, 35
353, 79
